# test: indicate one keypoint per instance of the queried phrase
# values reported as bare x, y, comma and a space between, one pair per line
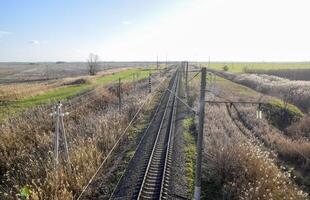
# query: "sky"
140, 30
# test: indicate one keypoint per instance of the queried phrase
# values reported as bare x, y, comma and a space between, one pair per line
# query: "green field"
127, 75
67, 92
238, 67
160, 66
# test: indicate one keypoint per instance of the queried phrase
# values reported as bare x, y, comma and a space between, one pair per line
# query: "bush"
300, 128
226, 68
281, 115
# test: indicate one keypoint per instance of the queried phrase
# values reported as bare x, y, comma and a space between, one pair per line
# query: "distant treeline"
292, 74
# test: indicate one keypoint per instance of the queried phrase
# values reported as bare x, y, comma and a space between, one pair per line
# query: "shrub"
225, 68
281, 115
300, 128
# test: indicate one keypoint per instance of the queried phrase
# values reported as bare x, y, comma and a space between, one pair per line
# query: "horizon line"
124, 61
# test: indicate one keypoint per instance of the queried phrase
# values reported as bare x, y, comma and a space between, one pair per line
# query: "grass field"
239, 67
70, 91
124, 75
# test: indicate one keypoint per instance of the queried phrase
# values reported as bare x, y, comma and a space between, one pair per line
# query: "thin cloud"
34, 42
37, 42
126, 22
5, 33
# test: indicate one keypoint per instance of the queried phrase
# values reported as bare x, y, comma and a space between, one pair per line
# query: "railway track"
152, 160
156, 178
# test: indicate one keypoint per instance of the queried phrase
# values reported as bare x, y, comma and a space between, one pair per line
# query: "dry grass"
292, 145
26, 144
295, 150
240, 164
295, 92
11, 92
300, 128
18, 91
292, 74
239, 167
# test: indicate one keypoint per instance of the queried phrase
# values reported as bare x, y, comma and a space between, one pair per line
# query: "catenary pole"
150, 82
119, 95
200, 134
57, 109
67, 155
186, 79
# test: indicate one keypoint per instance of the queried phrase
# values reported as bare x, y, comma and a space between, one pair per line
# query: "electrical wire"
150, 96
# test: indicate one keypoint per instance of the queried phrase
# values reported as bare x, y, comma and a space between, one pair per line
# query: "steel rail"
156, 144
142, 138
154, 148
150, 96
165, 179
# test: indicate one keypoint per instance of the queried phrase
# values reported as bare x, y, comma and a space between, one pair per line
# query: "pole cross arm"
197, 191
194, 70
235, 102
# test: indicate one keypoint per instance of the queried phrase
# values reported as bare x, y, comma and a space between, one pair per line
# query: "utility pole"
134, 81
150, 82
157, 64
60, 128
119, 91
56, 149
186, 78
166, 61
209, 62
200, 134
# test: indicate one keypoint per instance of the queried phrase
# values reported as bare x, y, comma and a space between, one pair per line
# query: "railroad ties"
155, 180
148, 173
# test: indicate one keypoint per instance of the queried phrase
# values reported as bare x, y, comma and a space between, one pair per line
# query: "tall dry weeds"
293, 149
295, 92
26, 145
240, 167
236, 165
